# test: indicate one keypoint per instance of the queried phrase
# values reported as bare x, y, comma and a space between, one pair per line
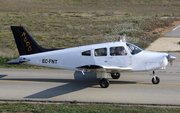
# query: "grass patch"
53, 30
42, 108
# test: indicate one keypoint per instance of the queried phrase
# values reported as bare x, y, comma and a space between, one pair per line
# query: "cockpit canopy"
133, 48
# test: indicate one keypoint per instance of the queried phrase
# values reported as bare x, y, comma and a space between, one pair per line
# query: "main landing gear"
115, 75
104, 83
155, 79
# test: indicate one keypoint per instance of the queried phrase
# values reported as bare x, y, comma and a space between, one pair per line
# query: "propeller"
170, 59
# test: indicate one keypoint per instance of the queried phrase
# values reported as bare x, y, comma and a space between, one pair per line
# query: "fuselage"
100, 54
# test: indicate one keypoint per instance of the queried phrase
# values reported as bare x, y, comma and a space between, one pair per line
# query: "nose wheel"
155, 79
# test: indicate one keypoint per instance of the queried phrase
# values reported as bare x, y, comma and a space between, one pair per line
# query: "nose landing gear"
155, 79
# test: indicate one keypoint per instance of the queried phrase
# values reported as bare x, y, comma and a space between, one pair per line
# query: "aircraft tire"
157, 80
104, 83
115, 75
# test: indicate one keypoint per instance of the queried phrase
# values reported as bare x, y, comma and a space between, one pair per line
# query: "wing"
108, 69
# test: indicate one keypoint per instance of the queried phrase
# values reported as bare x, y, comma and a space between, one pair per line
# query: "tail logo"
28, 45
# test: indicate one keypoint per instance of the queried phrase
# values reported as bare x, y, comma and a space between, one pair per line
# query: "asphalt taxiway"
170, 41
65, 85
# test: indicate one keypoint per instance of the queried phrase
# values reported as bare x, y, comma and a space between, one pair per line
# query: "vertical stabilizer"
25, 43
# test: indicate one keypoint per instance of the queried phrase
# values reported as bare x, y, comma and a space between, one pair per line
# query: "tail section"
25, 43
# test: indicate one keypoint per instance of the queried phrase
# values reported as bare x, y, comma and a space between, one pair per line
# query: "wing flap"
89, 67
109, 69
115, 69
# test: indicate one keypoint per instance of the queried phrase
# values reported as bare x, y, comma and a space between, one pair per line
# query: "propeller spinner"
170, 59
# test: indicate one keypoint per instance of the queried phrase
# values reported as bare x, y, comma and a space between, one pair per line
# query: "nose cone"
155, 60
171, 57
154, 56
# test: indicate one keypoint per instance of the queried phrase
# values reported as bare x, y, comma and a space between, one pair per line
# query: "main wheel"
115, 75
104, 83
155, 81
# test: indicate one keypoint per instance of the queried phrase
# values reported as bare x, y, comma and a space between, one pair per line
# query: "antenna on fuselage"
122, 38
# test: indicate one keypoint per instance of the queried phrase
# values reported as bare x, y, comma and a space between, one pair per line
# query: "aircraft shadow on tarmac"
77, 84
72, 85
1, 76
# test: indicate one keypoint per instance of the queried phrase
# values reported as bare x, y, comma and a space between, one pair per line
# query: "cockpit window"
100, 52
86, 53
116, 51
133, 49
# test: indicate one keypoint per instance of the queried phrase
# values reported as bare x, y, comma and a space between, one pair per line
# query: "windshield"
133, 49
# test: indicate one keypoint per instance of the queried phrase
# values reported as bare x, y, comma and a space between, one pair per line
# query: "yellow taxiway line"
111, 82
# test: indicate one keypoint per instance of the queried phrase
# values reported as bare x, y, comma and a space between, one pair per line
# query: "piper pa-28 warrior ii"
104, 58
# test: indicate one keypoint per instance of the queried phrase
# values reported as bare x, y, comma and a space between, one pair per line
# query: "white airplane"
112, 57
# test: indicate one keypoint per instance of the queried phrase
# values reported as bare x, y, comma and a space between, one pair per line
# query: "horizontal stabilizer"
17, 61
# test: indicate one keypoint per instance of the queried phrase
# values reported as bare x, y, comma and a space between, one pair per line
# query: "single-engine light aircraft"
103, 58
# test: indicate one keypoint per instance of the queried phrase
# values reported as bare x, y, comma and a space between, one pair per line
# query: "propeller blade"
171, 62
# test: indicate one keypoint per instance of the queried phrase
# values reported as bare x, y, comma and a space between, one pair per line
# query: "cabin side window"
86, 53
117, 51
100, 52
